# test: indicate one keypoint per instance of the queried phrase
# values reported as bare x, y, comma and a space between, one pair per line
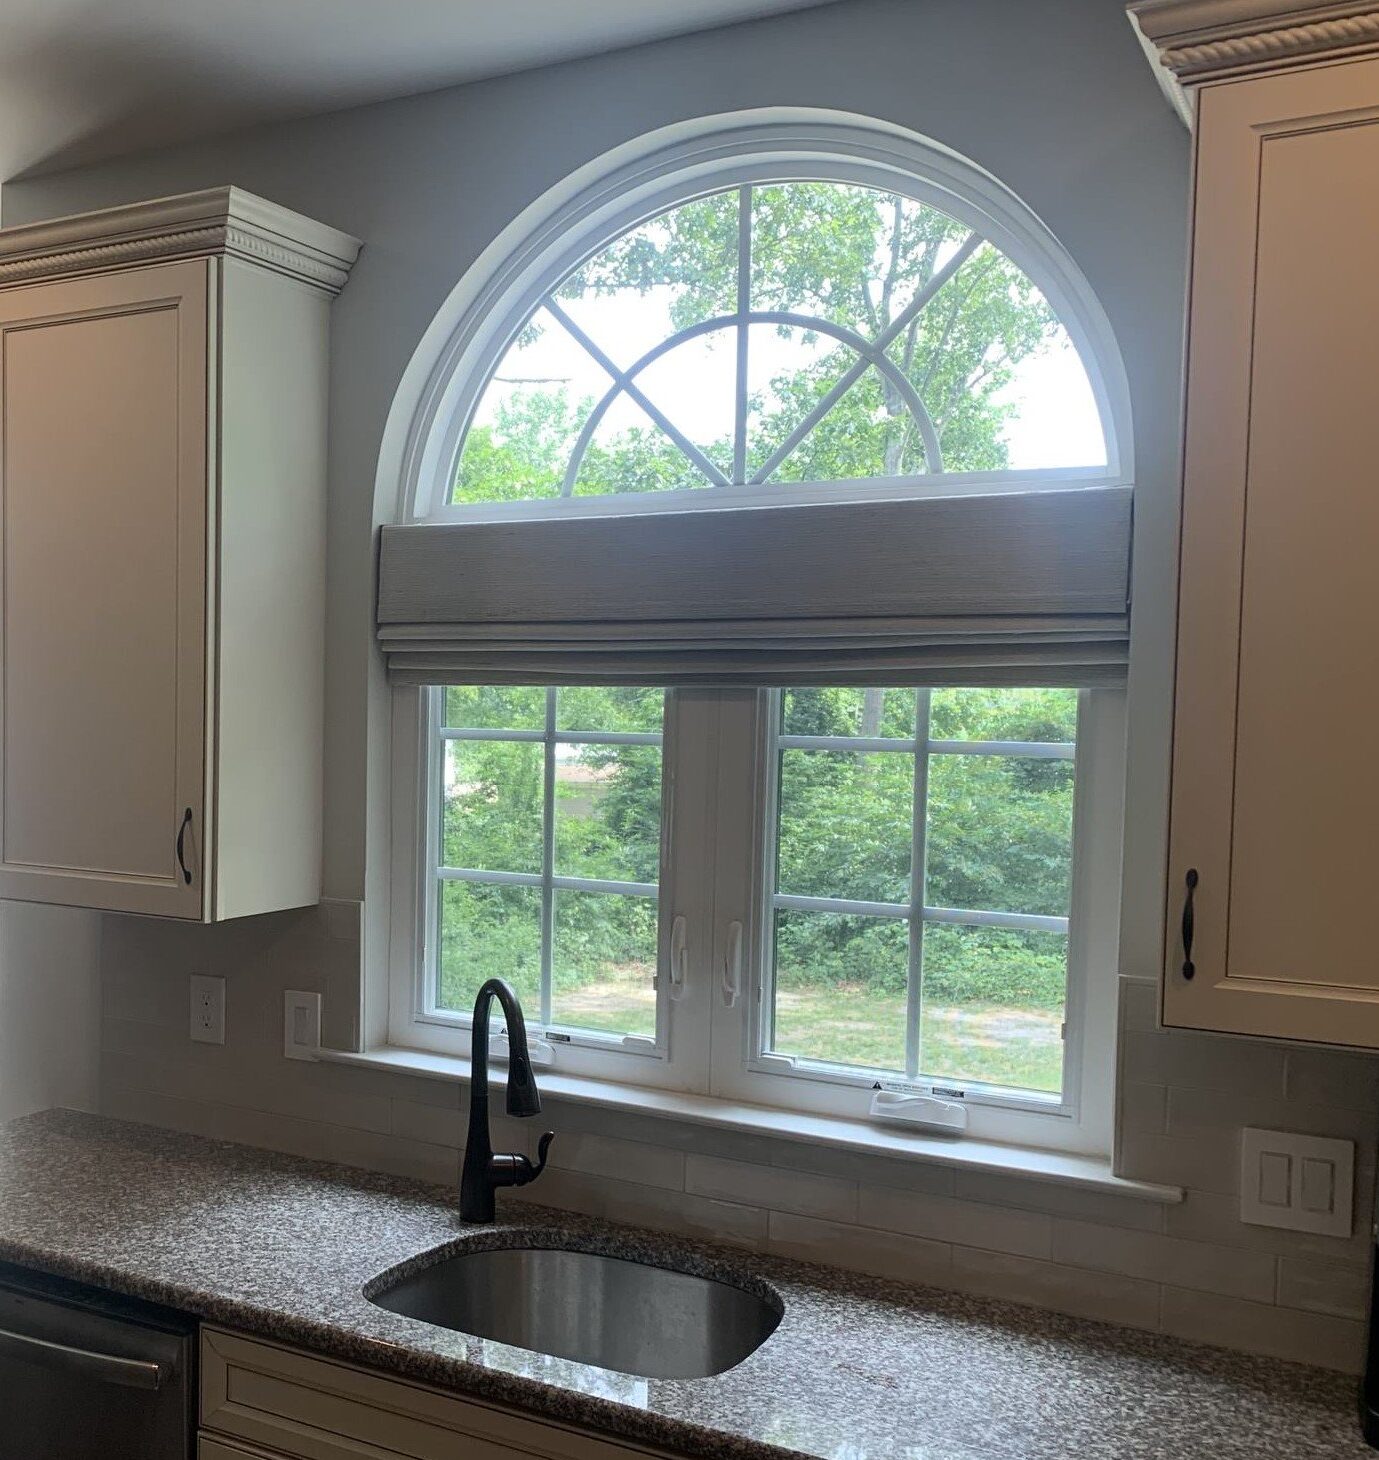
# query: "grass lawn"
850, 1025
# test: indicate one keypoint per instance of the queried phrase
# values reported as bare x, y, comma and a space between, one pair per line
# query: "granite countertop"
859, 1368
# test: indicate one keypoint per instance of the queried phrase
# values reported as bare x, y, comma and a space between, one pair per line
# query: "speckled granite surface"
859, 1368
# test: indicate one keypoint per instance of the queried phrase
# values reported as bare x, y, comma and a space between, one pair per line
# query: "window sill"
1089, 1173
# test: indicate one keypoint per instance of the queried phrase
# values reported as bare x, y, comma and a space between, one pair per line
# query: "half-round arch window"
775, 333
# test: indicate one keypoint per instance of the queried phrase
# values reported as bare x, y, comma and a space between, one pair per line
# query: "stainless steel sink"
598, 1310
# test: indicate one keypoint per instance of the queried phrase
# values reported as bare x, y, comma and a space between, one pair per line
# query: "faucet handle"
517, 1170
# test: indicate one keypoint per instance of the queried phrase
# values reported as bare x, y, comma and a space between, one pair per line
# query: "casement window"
757, 640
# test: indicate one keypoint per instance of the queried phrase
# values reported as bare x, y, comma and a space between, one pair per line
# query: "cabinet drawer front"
1278, 591
104, 392
318, 1409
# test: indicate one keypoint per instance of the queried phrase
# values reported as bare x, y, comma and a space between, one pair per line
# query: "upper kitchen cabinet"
162, 462
1275, 786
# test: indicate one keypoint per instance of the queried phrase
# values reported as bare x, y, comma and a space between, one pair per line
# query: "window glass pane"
526, 422
830, 249
840, 989
869, 432
603, 963
623, 709
1041, 715
672, 271
993, 1007
494, 707
838, 711
608, 812
1000, 833
492, 803
629, 453
789, 371
605, 826
694, 384
488, 932
845, 825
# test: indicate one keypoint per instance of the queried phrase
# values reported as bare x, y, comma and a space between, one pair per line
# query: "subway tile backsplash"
1194, 1270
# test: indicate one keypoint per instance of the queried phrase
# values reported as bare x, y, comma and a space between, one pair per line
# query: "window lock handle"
679, 957
732, 966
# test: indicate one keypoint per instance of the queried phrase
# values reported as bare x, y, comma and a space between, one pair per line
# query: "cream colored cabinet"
1274, 854
261, 1399
162, 538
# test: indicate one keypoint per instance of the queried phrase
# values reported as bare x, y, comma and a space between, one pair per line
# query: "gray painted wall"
1055, 99
50, 1008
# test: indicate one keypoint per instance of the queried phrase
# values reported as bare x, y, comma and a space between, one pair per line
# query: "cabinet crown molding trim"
224, 220
1202, 40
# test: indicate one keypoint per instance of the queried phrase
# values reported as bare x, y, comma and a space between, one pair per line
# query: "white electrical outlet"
208, 1009
301, 1025
1300, 1183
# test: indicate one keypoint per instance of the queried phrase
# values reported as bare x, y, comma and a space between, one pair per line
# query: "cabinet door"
1275, 802
104, 394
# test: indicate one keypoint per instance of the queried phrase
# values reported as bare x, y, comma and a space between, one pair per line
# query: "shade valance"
1010, 587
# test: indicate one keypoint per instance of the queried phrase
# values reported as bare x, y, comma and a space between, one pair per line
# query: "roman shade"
1009, 587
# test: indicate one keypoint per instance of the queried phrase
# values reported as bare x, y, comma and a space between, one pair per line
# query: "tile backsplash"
1194, 1270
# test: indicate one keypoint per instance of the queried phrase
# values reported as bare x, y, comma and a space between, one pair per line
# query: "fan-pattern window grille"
780, 333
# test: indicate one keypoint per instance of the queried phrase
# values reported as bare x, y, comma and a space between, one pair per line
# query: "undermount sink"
607, 1311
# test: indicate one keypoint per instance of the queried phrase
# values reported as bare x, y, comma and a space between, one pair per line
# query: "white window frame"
715, 740
718, 825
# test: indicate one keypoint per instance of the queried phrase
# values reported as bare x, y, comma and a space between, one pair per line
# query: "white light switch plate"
208, 1009
301, 1025
1301, 1183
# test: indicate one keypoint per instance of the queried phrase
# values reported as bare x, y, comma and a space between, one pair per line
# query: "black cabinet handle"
181, 845
1189, 967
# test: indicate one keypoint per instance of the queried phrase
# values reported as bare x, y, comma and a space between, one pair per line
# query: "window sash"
917, 913
434, 872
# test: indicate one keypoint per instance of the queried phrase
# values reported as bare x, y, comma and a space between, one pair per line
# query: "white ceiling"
84, 79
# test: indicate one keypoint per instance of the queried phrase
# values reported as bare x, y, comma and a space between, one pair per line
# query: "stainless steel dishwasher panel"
91, 1382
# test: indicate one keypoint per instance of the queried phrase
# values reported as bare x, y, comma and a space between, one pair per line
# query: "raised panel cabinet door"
104, 392
1275, 778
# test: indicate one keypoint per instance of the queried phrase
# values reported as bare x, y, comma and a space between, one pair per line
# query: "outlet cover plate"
207, 1009
1300, 1183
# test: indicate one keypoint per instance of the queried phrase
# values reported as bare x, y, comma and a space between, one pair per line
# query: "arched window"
813, 331
786, 311
821, 790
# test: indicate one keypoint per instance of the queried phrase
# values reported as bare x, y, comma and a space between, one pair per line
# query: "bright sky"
1056, 423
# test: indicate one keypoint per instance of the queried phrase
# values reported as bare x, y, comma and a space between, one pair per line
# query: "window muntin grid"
877, 355
915, 912
543, 884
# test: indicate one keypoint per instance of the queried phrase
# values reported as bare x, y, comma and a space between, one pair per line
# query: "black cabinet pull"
181, 845
1189, 967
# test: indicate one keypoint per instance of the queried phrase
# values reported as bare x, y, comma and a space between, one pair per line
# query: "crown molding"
1203, 40
216, 221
